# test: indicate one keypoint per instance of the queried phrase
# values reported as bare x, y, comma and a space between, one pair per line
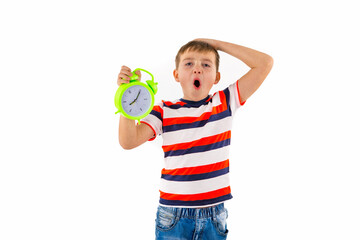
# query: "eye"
188, 64
206, 65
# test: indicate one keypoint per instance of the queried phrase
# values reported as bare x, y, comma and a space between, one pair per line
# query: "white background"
295, 143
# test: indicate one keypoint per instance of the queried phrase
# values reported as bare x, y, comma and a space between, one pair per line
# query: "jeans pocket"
165, 220
220, 222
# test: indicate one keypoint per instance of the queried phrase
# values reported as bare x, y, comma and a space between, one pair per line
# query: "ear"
176, 75
217, 79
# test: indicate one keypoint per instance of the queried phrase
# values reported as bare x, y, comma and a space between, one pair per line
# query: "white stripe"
201, 206
154, 122
234, 97
194, 187
187, 135
197, 159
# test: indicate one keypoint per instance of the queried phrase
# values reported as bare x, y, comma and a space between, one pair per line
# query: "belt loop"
178, 213
214, 213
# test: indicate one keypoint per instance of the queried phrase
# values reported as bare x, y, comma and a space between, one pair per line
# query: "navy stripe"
227, 96
156, 114
176, 127
215, 117
203, 148
195, 203
175, 106
189, 104
195, 177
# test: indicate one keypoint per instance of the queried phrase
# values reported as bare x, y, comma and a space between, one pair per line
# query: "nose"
197, 70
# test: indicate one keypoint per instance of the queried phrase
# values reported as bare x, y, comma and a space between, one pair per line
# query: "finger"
123, 75
123, 78
126, 70
122, 81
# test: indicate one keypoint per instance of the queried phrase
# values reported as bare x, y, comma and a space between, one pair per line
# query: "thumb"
138, 72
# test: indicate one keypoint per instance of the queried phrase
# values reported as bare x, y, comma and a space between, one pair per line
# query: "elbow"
271, 61
268, 62
126, 145
264, 63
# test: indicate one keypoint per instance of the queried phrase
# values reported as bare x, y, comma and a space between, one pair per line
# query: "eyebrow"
203, 59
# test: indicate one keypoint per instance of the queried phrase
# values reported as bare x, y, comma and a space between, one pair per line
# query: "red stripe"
238, 91
223, 106
199, 142
159, 110
182, 120
195, 197
197, 170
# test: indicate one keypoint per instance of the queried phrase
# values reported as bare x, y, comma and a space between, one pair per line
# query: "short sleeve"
155, 120
234, 97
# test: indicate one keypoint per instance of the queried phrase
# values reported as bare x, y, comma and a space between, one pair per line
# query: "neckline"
195, 103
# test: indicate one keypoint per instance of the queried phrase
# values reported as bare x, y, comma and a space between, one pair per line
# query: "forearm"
127, 132
250, 57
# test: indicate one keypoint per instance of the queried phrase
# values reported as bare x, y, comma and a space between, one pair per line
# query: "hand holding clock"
131, 90
125, 74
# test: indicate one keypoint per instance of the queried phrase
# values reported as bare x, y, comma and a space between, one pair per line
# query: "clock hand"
138, 95
132, 102
135, 98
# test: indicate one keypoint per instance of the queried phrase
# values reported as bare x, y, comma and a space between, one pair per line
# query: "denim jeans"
191, 223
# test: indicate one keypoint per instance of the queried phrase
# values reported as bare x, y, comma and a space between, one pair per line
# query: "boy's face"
197, 74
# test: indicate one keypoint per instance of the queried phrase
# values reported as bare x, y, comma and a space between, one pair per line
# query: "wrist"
214, 43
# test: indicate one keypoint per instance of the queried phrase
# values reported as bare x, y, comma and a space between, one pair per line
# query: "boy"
196, 132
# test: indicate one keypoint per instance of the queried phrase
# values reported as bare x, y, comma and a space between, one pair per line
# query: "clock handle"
144, 71
152, 84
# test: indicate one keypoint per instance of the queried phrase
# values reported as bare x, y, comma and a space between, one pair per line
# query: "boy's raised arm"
130, 134
260, 64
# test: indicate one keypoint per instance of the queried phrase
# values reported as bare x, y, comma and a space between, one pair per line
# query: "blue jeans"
191, 223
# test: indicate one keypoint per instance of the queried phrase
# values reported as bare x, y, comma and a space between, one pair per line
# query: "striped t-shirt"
196, 141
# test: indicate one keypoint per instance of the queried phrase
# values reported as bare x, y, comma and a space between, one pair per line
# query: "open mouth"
197, 83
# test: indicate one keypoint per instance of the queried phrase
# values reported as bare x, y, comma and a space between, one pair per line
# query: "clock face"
136, 100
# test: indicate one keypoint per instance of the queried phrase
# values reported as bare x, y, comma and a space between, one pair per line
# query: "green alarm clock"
135, 99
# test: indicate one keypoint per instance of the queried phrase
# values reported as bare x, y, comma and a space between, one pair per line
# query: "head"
197, 65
